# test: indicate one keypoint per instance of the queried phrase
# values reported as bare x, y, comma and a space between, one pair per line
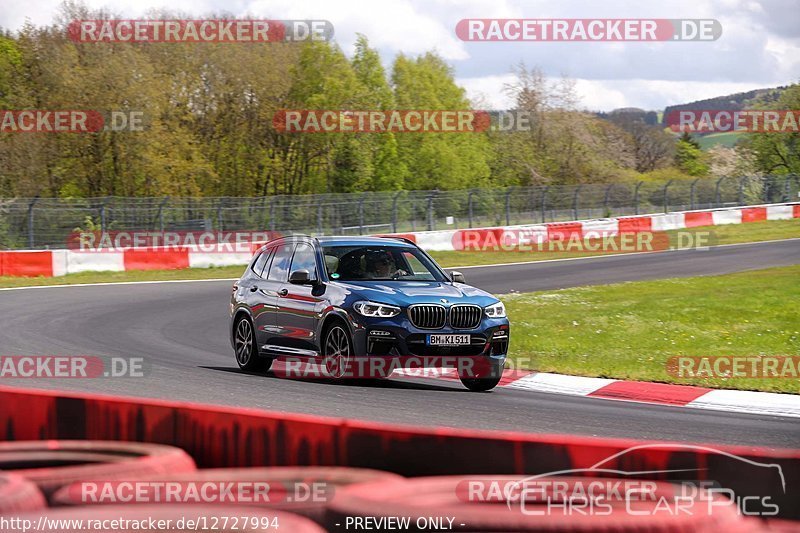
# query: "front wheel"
337, 351
484, 383
244, 343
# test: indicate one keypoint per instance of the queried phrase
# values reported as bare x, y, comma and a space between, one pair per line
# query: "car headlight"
497, 310
375, 309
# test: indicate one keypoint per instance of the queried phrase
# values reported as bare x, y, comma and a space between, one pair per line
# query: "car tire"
337, 350
487, 383
17, 494
246, 348
51, 464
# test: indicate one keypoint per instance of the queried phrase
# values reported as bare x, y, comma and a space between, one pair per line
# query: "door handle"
283, 292
253, 288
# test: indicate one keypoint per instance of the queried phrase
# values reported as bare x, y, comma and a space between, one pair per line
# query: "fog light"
380, 333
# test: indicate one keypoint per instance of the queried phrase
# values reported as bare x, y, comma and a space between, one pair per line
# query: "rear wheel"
337, 351
244, 343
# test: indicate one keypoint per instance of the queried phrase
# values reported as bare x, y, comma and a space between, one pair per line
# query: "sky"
759, 46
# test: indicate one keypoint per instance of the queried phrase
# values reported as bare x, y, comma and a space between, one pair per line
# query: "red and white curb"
762, 403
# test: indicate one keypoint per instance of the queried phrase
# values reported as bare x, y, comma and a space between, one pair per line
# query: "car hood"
404, 293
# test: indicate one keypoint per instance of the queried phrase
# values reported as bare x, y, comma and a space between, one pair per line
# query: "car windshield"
376, 262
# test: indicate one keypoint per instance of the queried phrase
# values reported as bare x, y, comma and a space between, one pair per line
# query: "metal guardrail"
37, 223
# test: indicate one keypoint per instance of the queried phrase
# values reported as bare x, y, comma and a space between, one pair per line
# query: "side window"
304, 259
261, 261
279, 269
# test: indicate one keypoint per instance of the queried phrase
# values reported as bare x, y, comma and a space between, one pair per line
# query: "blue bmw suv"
331, 300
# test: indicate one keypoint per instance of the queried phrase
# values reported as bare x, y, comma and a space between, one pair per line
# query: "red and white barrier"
223, 437
60, 262
510, 236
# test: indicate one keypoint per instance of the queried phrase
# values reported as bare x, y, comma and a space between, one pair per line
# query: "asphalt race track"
607, 269
180, 329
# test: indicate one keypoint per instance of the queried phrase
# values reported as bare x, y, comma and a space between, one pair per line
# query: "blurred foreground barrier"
235, 437
53, 464
18, 495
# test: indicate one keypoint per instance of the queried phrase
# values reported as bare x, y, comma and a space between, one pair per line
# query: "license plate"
448, 340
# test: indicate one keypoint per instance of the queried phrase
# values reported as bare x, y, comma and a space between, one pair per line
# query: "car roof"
362, 241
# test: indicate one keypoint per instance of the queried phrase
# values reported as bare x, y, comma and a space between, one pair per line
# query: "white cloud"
605, 95
390, 26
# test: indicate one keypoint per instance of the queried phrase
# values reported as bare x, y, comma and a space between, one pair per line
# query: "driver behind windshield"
381, 265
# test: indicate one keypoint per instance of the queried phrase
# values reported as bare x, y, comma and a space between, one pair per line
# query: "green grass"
630, 330
727, 139
728, 234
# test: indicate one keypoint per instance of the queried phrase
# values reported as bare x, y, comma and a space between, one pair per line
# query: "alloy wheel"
243, 342
337, 352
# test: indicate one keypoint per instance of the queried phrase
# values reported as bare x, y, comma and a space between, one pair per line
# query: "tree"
437, 160
778, 153
689, 157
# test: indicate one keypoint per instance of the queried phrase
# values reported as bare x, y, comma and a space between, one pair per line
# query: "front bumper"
398, 337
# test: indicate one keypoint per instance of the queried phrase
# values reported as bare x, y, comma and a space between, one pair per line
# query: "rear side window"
279, 269
304, 259
261, 262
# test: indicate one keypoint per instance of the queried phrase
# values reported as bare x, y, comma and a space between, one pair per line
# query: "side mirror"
300, 277
457, 277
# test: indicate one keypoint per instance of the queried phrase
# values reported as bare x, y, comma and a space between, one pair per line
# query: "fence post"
394, 210
430, 211
319, 218
717, 199
575, 202
508, 206
544, 203
103, 215
741, 190
361, 214
219, 215
606, 211
469, 205
636, 198
691, 194
161, 213
30, 221
666, 196
272, 214
787, 187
